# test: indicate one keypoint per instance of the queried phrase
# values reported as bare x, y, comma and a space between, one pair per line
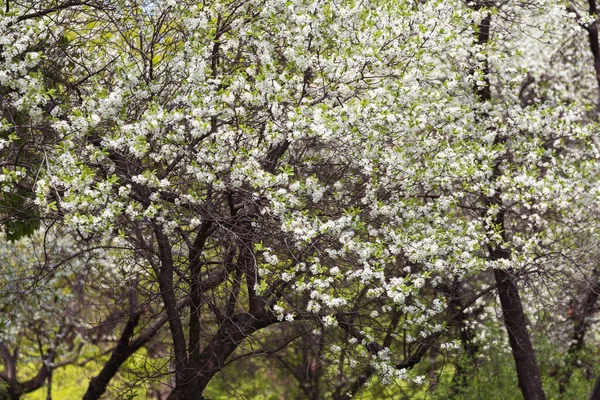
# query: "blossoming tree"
366, 177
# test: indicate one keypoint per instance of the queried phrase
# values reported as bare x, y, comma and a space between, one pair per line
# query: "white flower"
329, 321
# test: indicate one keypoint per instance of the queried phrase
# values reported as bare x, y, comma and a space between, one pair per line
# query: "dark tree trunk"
595, 395
16, 389
165, 281
518, 335
515, 320
508, 291
513, 314
99, 383
212, 359
229, 336
195, 253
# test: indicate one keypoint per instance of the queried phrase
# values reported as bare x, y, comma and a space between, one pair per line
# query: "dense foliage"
383, 198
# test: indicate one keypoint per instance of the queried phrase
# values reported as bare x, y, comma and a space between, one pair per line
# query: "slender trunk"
49, 386
518, 335
10, 369
508, 291
196, 301
165, 281
515, 320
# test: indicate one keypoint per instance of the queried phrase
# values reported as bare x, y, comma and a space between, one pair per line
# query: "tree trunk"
518, 335
595, 395
514, 317
512, 307
194, 328
231, 333
165, 281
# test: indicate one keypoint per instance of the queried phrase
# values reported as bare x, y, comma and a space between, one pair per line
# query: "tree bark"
195, 253
15, 388
506, 282
513, 313
595, 395
165, 281
231, 333
518, 335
